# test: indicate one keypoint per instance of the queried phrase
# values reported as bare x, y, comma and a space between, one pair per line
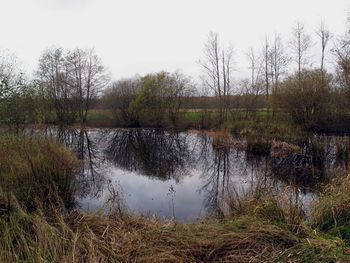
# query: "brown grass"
260, 232
82, 237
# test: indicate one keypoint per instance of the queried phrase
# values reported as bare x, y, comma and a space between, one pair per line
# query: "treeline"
152, 100
284, 81
66, 84
313, 96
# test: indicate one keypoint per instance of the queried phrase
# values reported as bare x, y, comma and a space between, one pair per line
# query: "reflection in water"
91, 178
182, 175
154, 153
218, 175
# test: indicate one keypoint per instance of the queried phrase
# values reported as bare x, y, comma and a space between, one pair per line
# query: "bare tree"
72, 79
324, 35
279, 61
86, 76
217, 67
300, 44
266, 61
119, 97
53, 75
307, 102
180, 86
256, 79
342, 52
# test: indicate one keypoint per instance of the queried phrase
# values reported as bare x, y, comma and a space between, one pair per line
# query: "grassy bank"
36, 227
35, 172
80, 237
278, 128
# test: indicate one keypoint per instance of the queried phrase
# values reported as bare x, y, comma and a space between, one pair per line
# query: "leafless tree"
255, 84
71, 80
181, 86
342, 53
217, 67
308, 101
279, 61
87, 76
300, 44
324, 35
53, 75
266, 61
119, 97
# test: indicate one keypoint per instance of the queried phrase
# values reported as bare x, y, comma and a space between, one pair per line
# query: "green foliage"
17, 101
18, 108
159, 99
150, 103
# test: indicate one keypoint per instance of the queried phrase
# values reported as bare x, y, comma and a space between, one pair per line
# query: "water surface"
183, 175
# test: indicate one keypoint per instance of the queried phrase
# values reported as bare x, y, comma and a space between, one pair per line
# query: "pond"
182, 175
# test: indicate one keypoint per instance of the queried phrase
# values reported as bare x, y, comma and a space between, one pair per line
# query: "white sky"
139, 36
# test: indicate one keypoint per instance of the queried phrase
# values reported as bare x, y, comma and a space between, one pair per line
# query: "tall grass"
82, 237
36, 172
332, 212
38, 180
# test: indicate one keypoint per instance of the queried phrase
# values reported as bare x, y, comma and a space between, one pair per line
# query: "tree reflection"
218, 174
229, 173
155, 153
90, 177
224, 174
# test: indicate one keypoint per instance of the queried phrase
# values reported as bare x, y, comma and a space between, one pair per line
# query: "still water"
183, 175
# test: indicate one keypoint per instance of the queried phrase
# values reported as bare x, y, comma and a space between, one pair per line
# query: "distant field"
100, 115
192, 115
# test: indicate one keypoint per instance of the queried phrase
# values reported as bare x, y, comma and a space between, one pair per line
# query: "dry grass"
82, 237
260, 232
36, 172
332, 213
224, 140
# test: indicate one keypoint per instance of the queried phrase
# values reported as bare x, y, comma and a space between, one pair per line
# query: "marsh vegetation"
42, 217
161, 168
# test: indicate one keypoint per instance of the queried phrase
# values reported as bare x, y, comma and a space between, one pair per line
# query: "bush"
306, 97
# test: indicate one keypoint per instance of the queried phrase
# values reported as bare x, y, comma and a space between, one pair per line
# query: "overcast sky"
139, 36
